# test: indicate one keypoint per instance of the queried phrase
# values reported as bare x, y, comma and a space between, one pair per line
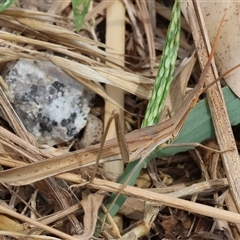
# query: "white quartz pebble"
51, 105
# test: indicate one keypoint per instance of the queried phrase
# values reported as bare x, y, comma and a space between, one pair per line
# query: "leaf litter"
66, 213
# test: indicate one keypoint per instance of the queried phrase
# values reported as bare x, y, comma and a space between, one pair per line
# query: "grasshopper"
140, 143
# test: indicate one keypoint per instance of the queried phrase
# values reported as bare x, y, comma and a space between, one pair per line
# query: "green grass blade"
5, 4
165, 71
80, 9
156, 103
197, 128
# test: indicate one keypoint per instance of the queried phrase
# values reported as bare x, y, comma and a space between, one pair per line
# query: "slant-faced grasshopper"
140, 143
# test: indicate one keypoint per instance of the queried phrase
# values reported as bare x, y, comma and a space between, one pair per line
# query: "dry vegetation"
45, 30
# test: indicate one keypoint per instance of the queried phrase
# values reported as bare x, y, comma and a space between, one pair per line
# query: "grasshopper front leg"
121, 142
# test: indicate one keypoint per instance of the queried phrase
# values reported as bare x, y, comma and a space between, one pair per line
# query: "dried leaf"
227, 54
90, 206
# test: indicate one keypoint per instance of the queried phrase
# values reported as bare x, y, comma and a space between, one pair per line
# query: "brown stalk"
157, 198
115, 41
217, 105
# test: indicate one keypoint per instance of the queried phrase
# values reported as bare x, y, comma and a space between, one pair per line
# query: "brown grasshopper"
140, 142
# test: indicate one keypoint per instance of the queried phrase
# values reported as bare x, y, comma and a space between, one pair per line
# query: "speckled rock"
93, 132
51, 105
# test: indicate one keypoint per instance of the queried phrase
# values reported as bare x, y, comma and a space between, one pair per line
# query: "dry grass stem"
45, 191
115, 41
221, 121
